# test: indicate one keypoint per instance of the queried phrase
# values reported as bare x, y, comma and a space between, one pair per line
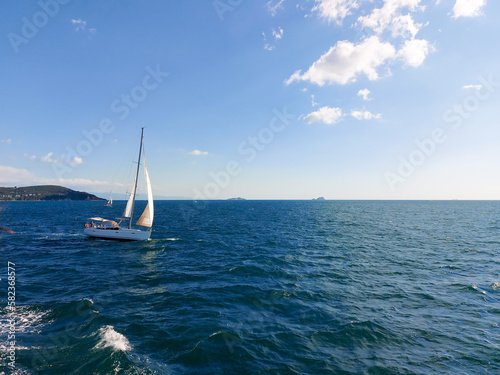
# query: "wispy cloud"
313, 101
277, 33
365, 115
10, 175
273, 6
79, 24
477, 87
198, 153
7, 141
326, 115
48, 158
15, 176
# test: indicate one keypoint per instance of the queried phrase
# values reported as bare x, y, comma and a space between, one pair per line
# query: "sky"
271, 99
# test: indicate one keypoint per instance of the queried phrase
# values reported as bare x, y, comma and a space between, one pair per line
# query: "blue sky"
280, 99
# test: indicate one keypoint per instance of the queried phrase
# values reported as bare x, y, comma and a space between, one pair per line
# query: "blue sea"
255, 287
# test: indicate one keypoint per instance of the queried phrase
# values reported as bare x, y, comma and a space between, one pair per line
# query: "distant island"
319, 199
237, 199
44, 193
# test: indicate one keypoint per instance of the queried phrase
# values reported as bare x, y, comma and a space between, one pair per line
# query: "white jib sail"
130, 204
146, 219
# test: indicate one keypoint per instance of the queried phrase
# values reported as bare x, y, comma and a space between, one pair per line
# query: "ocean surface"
255, 287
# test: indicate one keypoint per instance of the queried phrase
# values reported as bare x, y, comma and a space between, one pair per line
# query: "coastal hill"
44, 193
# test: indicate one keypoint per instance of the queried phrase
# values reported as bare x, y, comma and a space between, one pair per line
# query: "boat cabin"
100, 223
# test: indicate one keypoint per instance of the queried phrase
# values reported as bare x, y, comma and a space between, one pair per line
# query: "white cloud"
13, 176
404, 26
79, 24
477, 87
364, 93
48, 158
334, 10
345, 61
76, 160
365, 115
32, 157
10, 176
468, 8
277, 34
313, 101
414, 52
389, 17
273, 6
8, 141
326, 115
72, 182
198, 153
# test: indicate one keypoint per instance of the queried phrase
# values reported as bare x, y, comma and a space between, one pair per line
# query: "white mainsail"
130, 204
146, 219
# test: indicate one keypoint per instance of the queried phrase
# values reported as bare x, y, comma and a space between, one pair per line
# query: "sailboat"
110, 229
109, 203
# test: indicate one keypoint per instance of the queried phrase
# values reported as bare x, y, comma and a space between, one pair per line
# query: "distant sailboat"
109, 229
109, 203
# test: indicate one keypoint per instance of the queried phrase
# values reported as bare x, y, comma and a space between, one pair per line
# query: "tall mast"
136, 178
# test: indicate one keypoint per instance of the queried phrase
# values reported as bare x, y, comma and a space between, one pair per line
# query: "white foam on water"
17, 372
478, 289
26, 320
112, 339
495, 286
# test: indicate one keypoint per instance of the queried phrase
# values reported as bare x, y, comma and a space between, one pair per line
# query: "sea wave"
109, 338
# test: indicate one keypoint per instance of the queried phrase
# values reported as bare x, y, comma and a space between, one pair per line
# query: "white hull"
121, 233
110, 229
